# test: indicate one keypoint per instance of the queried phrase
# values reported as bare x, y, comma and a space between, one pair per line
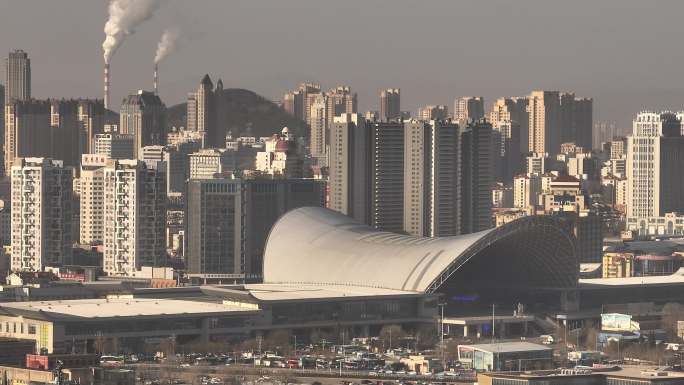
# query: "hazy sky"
626, 54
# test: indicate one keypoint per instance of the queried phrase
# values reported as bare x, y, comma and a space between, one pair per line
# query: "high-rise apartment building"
204, 113
41, 213
439, 112
91, 116
340, 100
349, 167
17, 76
390, 104
228, 220
469, 108
318, 125
92, 198
115, 146
544, 124
144, 115
65, 132
512, 110
576, 116
477, 180
655, 160
134, 217
509, 158
296, 102
431, 178
387, 176
27, 130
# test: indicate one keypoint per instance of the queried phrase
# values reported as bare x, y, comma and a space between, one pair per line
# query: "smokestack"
156, 80
106, 86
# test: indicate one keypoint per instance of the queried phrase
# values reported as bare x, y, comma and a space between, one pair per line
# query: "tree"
391, 335
426, 337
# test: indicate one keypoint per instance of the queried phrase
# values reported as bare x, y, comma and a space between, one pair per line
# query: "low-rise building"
505, 356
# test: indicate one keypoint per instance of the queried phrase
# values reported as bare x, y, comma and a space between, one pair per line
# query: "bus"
111, 361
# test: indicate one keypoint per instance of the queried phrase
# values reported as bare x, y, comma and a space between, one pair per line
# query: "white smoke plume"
124, 17
167, 44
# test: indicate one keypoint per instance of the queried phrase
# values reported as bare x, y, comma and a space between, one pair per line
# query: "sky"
626, 54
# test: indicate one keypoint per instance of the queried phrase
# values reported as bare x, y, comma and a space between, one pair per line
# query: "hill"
246, 113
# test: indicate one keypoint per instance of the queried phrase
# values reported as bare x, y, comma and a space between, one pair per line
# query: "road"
325, 376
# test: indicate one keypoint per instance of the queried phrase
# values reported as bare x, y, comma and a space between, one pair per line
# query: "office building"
211, 162
144, 115
42, 213
17, 76
134, 217
228, 221
543, 109
468, 108
115, 146
655, 160
27, 130
92, 198
390, 104
432, 112
349, 167
477, 177
431, 178
177, 161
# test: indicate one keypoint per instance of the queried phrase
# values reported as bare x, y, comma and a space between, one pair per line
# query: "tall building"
42, 213
65, 133
115, 146
431, 178
27, 130
318, 124
387, 176
204, 109
296, 102
469, 108
349, 167
390, 104
509, 158
134, 217
655, 160
477, 180
512, 110
17, 76
91, 117
340, 100
576, 120
228, 220
144, 115
439, 112
544, 122
92, 198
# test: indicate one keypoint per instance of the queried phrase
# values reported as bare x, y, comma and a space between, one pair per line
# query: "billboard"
617, 322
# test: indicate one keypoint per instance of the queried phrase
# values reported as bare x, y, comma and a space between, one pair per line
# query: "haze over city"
390, 192
621, 52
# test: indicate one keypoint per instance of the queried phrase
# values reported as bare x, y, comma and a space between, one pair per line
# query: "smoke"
167, 44
124, 17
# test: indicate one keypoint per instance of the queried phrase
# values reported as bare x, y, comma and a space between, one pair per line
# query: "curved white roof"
314, 245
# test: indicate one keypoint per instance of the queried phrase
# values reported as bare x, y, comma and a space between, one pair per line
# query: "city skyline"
565, 53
